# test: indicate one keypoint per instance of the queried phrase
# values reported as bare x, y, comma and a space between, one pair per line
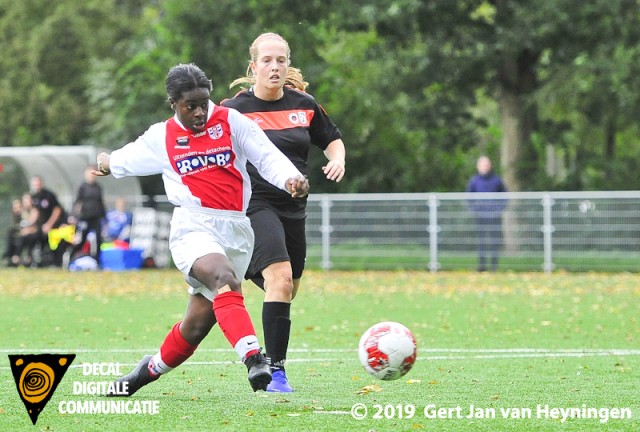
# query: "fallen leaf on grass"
369, 389
313, 408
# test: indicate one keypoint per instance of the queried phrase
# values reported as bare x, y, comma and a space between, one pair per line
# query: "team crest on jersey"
215, 131
182, 141
298, 117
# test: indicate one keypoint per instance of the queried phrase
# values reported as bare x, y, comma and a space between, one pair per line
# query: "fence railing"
539, 231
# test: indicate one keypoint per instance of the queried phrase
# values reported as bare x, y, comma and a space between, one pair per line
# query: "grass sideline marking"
628, 351
472, 354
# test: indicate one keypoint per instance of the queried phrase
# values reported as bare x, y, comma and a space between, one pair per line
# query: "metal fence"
540, 231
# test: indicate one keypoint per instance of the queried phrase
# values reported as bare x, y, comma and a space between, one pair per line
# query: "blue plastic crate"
121, 259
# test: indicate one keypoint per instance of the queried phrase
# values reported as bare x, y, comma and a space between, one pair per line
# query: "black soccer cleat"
259, 371
137, 379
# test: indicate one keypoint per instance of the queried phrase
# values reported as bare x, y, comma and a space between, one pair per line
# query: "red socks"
175, 350
235, 322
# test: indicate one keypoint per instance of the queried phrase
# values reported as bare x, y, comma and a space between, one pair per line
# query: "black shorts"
277, 239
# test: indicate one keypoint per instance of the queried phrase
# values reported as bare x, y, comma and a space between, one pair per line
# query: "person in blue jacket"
487, 213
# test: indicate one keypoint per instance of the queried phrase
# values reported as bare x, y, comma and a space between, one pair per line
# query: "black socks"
277, 328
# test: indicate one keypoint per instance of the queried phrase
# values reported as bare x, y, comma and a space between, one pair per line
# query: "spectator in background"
50, 215
12, 241
90, 210
30, 234
119, 220
487, 213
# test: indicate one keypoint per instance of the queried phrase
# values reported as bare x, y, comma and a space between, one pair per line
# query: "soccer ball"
387, 350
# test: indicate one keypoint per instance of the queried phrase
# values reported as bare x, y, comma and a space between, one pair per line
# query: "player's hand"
334, 170
99, 173
102, 162
298, 187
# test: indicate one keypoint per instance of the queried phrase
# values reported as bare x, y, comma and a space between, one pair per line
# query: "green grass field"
506, 343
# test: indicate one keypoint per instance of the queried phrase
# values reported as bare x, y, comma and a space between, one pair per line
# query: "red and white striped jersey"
207, 169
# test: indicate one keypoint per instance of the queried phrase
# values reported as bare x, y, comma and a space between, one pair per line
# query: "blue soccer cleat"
279, 383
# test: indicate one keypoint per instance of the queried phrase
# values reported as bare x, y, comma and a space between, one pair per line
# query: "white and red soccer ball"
387, 350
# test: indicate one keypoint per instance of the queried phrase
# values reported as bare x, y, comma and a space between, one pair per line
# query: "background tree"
534, 41
48, 48
418, 88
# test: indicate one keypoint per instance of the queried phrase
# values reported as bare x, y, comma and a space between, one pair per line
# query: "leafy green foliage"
419, 89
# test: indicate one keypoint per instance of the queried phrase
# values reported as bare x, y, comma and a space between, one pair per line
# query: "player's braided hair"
182, 78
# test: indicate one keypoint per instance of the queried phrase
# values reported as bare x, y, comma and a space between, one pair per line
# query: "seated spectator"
29, 234
118, 222
12, 243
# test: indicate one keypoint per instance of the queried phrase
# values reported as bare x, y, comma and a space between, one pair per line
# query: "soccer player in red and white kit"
293, 121
202, 153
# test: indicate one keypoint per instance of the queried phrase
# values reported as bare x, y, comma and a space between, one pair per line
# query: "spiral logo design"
36, 382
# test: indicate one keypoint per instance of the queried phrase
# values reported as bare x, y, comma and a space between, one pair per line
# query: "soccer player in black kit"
293, 121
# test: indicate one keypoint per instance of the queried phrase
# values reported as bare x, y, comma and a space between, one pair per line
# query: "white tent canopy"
62, 171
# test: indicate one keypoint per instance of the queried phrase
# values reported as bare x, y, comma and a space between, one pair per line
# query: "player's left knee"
281, 280
282, 286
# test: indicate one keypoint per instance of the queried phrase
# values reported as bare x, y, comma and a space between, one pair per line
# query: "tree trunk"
512, 139
516, 76
610, 144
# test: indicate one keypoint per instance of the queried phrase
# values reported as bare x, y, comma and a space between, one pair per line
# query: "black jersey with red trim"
292, 123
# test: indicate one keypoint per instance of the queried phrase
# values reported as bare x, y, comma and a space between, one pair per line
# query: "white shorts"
199, 232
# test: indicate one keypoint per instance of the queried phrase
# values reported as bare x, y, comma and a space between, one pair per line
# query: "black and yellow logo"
37, 376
